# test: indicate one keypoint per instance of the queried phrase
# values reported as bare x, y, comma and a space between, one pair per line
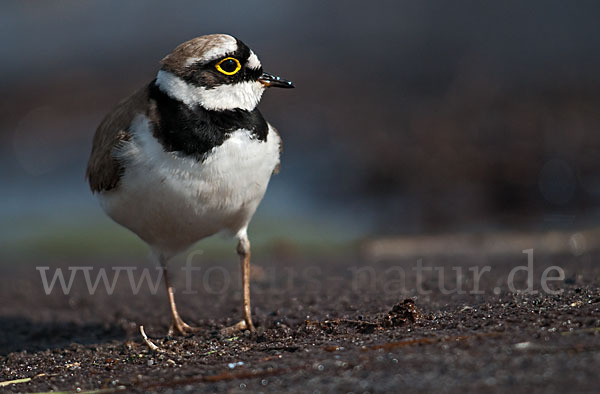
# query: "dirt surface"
323, 325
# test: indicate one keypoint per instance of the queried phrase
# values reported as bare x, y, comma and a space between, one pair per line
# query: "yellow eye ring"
238, 66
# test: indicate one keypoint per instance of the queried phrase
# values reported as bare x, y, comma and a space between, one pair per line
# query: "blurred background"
409, 118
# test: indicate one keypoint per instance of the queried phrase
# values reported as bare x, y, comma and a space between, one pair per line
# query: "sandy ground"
328, 324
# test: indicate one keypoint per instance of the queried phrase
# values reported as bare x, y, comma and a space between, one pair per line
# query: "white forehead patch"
253, 61
243, 95
224, 44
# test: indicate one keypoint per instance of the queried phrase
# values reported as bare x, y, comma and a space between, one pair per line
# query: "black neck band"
195, 131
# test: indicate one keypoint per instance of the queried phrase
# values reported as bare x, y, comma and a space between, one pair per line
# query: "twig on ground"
9, 382
23, 380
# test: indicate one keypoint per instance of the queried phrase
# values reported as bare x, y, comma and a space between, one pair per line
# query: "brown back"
104, 171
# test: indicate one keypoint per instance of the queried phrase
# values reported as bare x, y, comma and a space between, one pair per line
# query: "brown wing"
278, 167
104, 171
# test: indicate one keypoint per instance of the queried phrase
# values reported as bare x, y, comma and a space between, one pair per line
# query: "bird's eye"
229, 66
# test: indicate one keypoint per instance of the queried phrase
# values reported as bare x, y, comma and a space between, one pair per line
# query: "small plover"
189, 155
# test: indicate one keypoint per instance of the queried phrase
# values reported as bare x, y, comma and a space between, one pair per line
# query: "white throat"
242, 95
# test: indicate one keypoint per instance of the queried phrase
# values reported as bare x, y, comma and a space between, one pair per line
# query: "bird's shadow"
19, 333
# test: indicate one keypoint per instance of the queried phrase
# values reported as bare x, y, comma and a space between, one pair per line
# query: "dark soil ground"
322, 326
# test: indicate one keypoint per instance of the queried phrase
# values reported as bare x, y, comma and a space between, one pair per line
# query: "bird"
189, 155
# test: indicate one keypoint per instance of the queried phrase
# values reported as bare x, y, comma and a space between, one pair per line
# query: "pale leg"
177, 324
243, 250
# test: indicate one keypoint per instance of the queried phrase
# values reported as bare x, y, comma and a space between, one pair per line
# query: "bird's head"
217, 72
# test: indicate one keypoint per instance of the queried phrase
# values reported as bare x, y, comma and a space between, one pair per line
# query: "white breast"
172, 201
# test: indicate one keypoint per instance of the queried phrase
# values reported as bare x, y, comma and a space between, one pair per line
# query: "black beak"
275, 82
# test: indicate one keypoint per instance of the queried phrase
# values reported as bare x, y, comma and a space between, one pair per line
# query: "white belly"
171, 201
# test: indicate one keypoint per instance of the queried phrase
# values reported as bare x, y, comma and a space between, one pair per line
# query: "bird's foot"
178, 326
148, 342
239, 326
